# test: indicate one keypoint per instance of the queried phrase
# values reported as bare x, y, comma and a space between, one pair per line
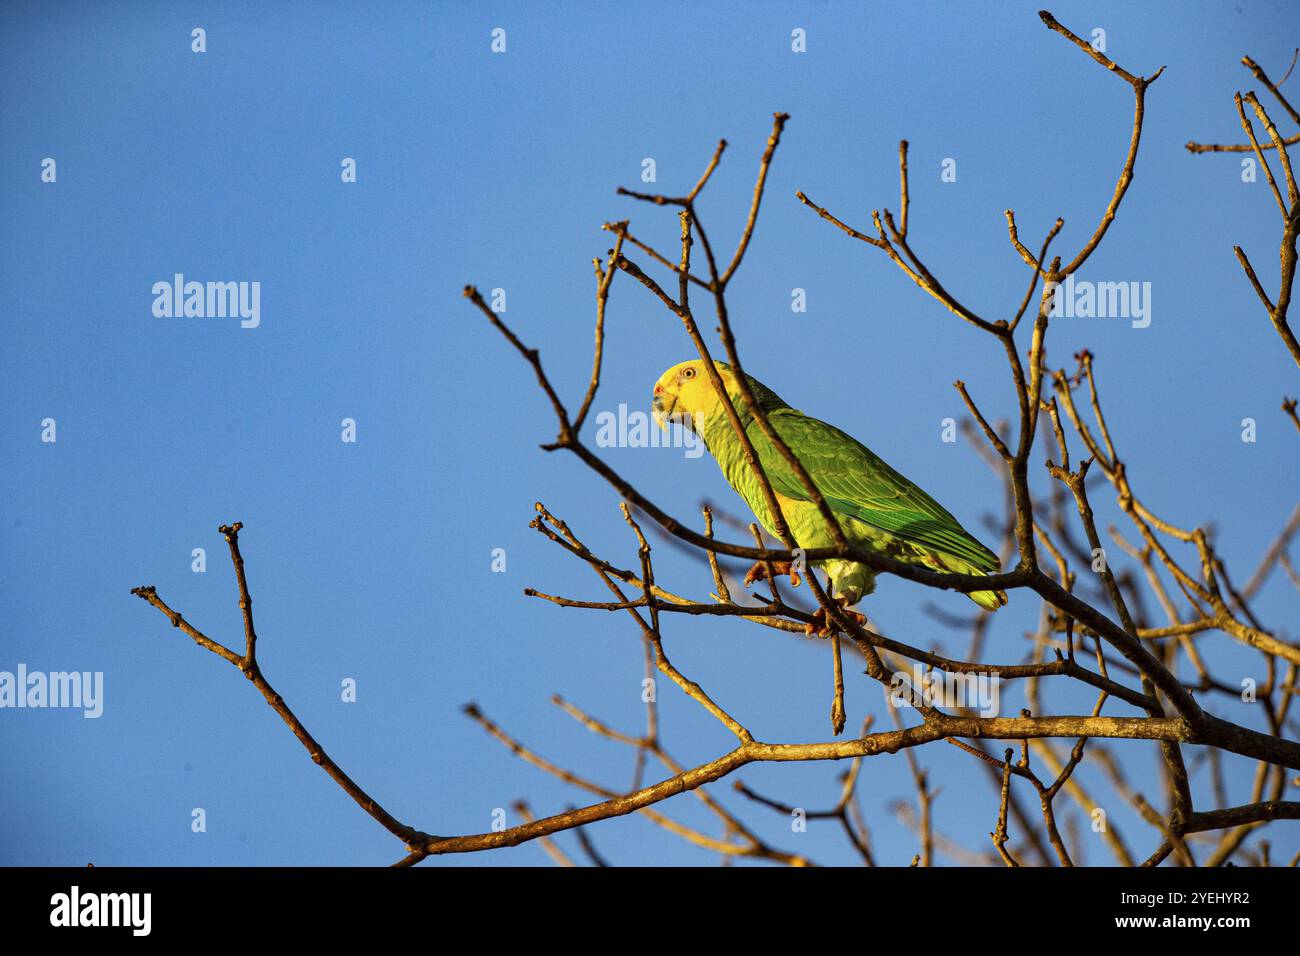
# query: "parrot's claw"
780, 568
824, 628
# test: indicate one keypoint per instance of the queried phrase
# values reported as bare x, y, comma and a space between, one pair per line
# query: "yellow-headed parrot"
879, 510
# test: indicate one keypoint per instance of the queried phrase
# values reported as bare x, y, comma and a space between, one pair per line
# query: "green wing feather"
855, 482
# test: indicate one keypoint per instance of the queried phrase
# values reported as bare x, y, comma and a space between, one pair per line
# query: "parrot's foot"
780, 568
824, 628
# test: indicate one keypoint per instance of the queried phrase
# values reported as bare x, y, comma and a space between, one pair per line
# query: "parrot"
879, 510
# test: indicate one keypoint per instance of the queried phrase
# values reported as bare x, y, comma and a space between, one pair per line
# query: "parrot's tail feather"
989, 600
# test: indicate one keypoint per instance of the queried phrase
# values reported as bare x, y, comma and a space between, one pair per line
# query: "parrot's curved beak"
662, 407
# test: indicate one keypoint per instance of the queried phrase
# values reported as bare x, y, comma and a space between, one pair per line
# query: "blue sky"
371, 560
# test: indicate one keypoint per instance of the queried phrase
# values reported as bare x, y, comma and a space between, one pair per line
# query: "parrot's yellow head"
685, 395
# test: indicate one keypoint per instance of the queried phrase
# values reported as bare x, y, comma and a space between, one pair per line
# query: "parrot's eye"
688, 373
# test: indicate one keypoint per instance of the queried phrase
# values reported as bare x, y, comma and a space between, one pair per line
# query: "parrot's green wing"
855, 482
